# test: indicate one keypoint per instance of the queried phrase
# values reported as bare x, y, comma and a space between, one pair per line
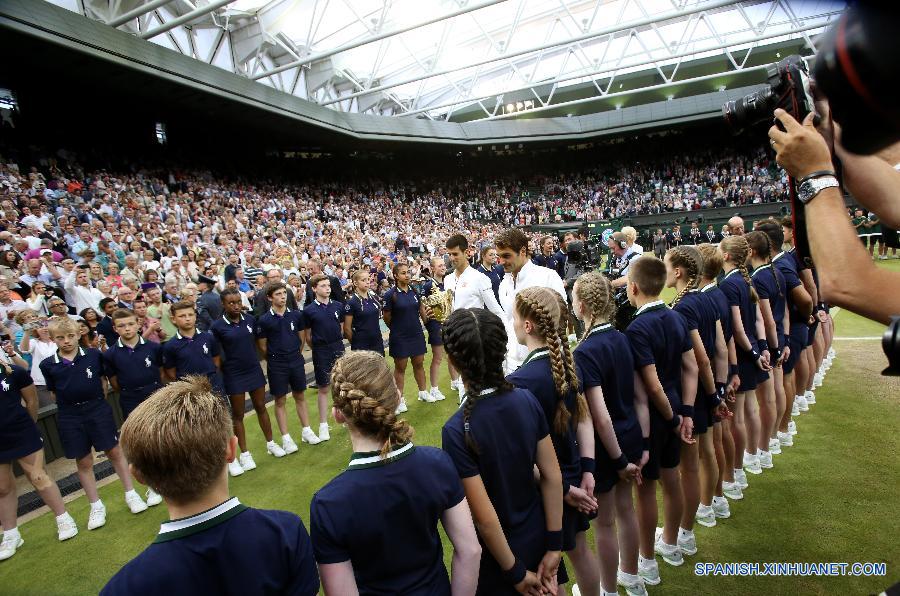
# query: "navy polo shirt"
701, 315
75, 381
603, 359
391, 536
191, 355
770, 285
738, 293
134, 367
281, 331
495, 274
720, 302
786, 264
404, 309
659, 336
237, 342
366, 313
12, 414
325, 322
198, 555
535, 376
507, 428
105, 328
549, 262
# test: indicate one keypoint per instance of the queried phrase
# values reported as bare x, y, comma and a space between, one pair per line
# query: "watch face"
805, 192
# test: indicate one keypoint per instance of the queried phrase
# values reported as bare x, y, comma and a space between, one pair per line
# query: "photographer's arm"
847, 275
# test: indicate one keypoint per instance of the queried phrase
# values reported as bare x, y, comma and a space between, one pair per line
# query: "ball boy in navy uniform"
21, 441
664, 360
85, 419
388, 543
606, 371
279, 335
324, 334
197, 552
132, 366
495, 440
242, 374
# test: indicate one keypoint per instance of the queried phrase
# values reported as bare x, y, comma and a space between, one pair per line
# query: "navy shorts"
796, 342
631, 444
702, 415
434, 333
811, 337
131, 399
405, 347
665, 449
761, 376
86, 425
324, 358
286, 374
243, 381
747, 370
573, 523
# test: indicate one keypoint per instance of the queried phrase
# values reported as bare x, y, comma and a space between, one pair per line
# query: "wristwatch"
810, 188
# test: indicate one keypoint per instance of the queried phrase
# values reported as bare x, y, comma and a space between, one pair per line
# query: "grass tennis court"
830, 498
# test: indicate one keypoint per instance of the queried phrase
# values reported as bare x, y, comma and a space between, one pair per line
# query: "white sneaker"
66, 527
774, 446
324, 435
273, 448
831, 353
765, 460
732, 490
234, 468
751, 463
401, 408
247, 461
437, 395
648, 570
785, 439
810, 399
705, 517
818, 379
740, 477
135, 502
153, 498
633, 584
792, 428
795, 409
720, 507
802, 405
670, 553
308, 436
97, 517
687, 542
9, 545
457, 386
288, 444
426, 397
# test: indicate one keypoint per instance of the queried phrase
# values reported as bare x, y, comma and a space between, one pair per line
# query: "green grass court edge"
830, 498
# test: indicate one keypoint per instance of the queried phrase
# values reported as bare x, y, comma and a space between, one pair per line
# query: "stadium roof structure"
478, 60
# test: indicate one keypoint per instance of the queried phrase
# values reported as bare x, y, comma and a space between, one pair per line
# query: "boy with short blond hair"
179, 442
85, 419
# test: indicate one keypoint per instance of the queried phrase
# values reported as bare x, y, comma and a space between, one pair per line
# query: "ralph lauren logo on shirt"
4, 385
89, 373
147, 362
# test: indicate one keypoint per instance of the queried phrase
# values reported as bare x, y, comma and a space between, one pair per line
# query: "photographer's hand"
800, 149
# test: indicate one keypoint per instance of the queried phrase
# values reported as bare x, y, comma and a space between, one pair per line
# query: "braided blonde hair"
540, 306
595, 292
738, 249
581, 412
688, 259
363, 390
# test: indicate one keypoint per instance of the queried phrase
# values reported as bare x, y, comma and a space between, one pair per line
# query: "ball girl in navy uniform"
802, 370
549, 373
769, 284
324, 334
723, 442
388, 543
403, 313
21, 441
495, 440
606, 372
279, 335
241, 373
438, 271
665, 363
699, 469
84, 418
742, 298
362, 315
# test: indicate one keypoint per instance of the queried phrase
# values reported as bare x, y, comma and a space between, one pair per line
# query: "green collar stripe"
537, 354
371, 459
708, 287
655, 305
600, 329
180, 528
758, 269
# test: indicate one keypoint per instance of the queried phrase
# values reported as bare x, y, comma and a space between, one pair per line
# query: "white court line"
865, 338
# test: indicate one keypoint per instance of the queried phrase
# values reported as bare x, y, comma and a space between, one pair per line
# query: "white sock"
12, 532
287, 436
128, 493
97, 505
270, 443
64, 516
682, 533
245, 453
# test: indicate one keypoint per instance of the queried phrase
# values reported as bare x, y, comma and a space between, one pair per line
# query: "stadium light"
510, 108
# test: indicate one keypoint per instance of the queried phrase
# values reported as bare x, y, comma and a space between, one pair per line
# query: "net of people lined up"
205, 288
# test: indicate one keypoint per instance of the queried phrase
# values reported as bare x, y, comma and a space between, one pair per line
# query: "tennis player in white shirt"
471, 288
520, 273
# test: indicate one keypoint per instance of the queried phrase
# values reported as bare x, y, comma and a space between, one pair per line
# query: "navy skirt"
434, 333
405, 347
243, 381
18, 438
